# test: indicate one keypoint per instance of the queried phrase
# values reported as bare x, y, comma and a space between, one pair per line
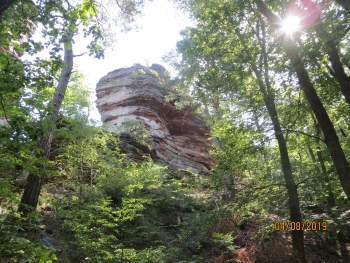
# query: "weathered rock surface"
136, 93
133, 149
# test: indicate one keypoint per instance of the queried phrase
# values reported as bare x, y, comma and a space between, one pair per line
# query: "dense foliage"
275, 95
277, 103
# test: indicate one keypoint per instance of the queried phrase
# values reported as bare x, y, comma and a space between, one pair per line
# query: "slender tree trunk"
326, 185
294, 206
329, 192
229, 187
331, 138
34, 182
331, 48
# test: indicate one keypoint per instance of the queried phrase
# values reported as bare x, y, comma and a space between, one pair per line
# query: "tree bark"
4, 4
331, 138
34, 182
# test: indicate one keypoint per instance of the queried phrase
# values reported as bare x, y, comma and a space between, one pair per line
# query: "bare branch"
120, 6
80, 55
69, 5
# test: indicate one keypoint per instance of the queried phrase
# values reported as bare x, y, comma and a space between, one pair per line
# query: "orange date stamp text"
307, 225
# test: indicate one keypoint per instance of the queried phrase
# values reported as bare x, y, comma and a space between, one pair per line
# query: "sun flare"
290, 24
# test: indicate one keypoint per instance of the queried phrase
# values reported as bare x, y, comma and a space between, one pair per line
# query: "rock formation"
136, 93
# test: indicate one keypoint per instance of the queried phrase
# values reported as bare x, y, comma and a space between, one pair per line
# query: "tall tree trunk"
331, 138
331, 48
294, 206
34, 182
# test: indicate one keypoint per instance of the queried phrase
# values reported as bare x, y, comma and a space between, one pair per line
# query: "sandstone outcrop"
179, 137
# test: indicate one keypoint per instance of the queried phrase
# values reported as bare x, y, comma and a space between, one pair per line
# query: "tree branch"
303, 133
266, 186
303, 181
271, 17
80, 55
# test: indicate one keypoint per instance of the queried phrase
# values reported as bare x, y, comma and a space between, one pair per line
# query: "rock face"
136, 93
134, 150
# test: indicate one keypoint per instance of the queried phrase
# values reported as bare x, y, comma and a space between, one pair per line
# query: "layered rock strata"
136, 93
